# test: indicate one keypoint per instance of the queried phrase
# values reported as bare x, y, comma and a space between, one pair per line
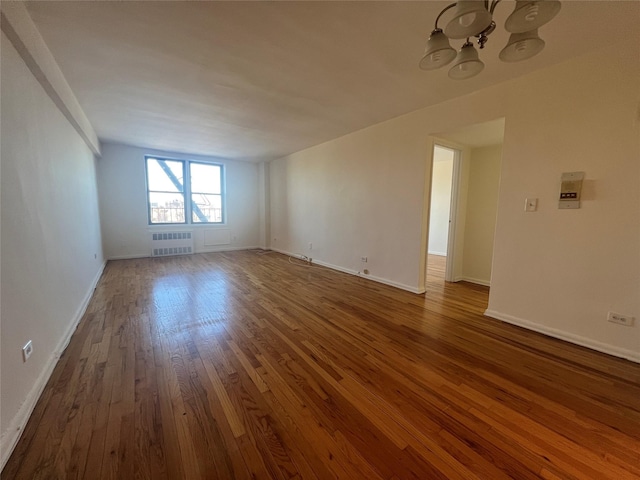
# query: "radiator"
171, 243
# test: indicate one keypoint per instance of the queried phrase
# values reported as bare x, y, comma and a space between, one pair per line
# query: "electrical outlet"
620, 319
27, 350
363, 259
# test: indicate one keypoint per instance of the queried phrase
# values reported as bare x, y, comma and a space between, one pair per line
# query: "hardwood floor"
436, 266
238, 366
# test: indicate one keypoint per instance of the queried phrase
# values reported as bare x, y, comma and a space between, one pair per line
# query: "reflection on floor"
243, 366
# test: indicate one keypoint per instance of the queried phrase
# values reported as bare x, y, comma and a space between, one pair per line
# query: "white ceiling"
259, 80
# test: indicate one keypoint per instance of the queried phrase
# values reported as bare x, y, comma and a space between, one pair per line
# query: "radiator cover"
164, 244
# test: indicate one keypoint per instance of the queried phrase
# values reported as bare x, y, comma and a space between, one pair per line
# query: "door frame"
454, 230
453, 212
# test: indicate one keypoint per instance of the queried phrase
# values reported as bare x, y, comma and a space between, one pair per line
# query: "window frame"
186, 191
223, 216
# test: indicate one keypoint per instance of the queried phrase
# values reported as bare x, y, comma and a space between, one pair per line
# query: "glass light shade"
531, 14
467, 63
470, 18
438, 51
522, 46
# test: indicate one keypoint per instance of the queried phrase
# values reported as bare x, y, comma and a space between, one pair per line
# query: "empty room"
320, 240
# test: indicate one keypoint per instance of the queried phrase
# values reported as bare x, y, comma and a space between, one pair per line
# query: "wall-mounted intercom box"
570, 189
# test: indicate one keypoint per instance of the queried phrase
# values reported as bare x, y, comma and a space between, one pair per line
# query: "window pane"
206, 208
166, 207
167, 179
205, 178
170, 181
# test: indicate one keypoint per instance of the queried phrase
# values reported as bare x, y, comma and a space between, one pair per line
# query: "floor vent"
171, 243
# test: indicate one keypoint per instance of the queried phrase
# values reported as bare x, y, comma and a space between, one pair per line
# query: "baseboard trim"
477, 281
227, 249
373, 278
13, 432
128, 257
569, 337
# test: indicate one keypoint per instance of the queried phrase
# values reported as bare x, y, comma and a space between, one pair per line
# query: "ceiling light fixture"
474, 18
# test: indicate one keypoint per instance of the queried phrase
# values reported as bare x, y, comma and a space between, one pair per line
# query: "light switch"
530, 204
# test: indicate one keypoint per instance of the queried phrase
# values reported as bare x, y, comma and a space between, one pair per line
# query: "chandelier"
474, 18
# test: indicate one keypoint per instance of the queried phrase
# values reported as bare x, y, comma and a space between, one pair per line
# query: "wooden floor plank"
239, 366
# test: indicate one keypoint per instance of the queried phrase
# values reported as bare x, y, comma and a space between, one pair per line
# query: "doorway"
463, 204
442, 205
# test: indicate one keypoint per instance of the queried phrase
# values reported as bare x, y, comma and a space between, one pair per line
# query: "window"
165, 184
170, 182
206, 193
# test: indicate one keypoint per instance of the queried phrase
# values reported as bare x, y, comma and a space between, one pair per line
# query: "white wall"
123, 203
359, 195
51, 247
561, 271
264, 201
440, 206
481, 212
557, 271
